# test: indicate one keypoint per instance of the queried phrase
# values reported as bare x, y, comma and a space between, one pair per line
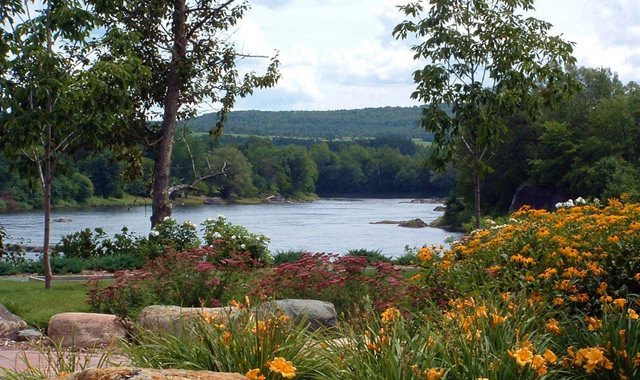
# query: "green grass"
31, 302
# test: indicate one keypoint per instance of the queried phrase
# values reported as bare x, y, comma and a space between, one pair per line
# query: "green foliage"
325, 125
228, 238
290, 256
198, 277
372, 256
247, 340
169, 235
82, 244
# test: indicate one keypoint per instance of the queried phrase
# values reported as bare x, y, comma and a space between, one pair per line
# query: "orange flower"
552, 325
391, 314
632, 314
522, 356
253, 375
620, 302
283, 367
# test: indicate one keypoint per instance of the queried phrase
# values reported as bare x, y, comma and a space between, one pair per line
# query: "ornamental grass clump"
261, 343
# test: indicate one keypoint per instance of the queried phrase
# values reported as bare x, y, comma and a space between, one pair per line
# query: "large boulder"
317, 314
160, 318
126, 373
85, 329
10, 325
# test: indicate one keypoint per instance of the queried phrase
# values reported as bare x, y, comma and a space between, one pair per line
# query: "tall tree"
55, 98
485, 62
188, 47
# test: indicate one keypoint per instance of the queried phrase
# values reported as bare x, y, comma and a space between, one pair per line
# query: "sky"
340, 54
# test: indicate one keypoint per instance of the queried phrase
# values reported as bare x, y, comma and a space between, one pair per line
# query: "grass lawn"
31, 302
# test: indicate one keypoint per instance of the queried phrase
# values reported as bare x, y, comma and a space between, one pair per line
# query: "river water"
330, 225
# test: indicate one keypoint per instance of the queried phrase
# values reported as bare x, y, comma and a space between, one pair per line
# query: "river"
329, 225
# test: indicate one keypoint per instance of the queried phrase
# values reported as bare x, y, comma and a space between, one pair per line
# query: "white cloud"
341, 53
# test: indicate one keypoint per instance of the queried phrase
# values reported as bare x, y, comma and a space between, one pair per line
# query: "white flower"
233, 237
154, 233
189, 224
580, 201
217, 235
559, 205
243, 246
208, 220
220, 216
166, 218
569, 203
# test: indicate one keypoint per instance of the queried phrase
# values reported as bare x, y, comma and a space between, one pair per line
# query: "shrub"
291, 256
228, 238
579, 256
82, 244
170, 234
341, 280
370, 255
197, 277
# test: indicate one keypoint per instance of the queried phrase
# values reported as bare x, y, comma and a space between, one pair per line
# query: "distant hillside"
340, 124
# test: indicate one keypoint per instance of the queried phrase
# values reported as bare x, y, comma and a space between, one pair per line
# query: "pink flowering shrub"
344, 281
197, 277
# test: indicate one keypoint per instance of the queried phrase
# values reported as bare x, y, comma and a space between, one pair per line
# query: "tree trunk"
161, 205
48, 276
476, 192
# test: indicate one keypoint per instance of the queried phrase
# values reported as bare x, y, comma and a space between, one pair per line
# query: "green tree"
55, 96
189, 49
485, 62
236, 180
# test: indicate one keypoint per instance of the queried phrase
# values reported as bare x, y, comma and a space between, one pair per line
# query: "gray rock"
161, 318
85, 329
317, 314
28, 335
10, 325
440, 209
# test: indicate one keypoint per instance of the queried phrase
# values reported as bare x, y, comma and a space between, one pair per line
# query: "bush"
228, 238
341, 280
197, 277
115, 263
291, 256
371, 255
82, 244
579, 256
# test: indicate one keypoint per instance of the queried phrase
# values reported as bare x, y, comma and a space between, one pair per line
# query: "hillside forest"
587, 147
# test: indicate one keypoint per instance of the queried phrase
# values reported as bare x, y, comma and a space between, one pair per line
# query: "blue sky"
339, 54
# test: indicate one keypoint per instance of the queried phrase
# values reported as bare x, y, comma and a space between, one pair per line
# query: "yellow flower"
433, 374
594, 324
391, 314
613, 239
552, 325
522, 356
632, 314
253, 374
550, 356
620, 302
63, 373
283, 367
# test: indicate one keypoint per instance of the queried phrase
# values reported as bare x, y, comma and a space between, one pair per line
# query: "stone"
128, 373
440, 209
63, 220
317, 314
84, 330
29, 335
413, 223
10, 325
161, 318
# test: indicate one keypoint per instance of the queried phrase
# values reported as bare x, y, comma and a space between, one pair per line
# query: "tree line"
329, 125
588, 146
253, 167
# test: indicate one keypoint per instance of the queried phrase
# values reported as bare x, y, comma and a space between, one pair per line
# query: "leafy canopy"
485, 60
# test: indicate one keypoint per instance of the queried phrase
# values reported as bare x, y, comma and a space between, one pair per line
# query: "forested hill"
331, 125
